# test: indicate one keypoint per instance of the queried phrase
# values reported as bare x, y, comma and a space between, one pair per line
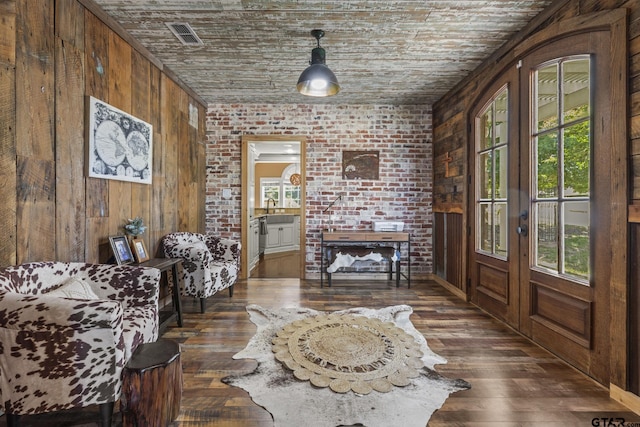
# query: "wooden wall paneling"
96, 44
188, 168
454, 251
8, 223
141, 108
34, 131
69, 133
634, 109
156, 214
634, 106
634, 212
449, 164
448, 248
192, 139
202, 167
35, 88
8, 31
170, 137
196, 152
185, 170
35, 210
120, 76
635, 177
599, 4
69, 18
439, 244
635, 127
634, 315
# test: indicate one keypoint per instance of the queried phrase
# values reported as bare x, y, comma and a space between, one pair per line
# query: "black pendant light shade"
318, 79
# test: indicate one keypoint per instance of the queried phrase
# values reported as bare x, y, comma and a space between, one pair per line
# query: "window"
561, 153
270, 192
491, 160
274, 188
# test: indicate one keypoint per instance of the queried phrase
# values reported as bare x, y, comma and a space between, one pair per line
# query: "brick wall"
403, 192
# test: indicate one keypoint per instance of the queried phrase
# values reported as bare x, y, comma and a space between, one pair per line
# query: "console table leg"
176, 293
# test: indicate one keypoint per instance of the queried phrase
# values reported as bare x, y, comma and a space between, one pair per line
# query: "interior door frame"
244, 203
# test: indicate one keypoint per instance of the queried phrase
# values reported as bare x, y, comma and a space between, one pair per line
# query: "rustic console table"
367, 240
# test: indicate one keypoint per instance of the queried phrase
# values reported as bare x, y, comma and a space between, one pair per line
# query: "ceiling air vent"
184, 33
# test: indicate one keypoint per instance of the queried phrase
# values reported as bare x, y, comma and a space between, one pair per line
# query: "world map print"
120, 145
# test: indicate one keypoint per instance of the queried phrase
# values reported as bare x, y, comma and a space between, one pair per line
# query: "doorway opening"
273, 199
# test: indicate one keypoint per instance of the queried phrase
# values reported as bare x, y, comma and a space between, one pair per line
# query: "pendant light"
318, 79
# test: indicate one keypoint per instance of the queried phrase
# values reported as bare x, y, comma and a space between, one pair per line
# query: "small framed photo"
139, 249
121, 250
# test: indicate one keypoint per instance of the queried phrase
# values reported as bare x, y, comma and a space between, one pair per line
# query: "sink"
280, 219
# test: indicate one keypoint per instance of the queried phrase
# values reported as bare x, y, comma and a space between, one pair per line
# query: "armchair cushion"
73, 288
59, 352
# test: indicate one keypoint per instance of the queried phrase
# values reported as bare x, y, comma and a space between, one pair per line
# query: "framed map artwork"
360, 164
120, 145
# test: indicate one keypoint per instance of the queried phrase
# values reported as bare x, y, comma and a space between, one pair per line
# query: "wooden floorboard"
278, 265
514, 382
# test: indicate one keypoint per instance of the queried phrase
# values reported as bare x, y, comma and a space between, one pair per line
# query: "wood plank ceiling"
398, 52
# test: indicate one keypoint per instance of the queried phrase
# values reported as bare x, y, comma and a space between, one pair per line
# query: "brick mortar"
402, 134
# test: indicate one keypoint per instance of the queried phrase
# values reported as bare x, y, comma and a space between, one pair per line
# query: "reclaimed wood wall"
451, 145
52, 58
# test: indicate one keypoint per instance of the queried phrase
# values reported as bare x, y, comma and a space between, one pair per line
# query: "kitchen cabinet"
254, 243
283, 236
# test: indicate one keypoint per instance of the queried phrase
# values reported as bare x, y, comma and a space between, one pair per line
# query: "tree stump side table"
152, 385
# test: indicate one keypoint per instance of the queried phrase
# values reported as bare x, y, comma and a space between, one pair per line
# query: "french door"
539, 202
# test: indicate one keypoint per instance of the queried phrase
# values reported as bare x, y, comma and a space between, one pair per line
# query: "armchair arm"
224, 249
134, 286
38, 312
58, 353
191, 252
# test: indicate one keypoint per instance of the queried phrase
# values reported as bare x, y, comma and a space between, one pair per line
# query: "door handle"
522, 230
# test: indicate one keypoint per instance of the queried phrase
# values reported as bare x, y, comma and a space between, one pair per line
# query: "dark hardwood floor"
278, 265
514, 382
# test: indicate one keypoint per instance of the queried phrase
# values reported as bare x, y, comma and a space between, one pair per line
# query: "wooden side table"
152, 385
164, 265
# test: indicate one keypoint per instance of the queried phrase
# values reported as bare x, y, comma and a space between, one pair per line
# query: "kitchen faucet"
270, 200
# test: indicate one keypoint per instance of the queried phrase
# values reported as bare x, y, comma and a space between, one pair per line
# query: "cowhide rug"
293, 402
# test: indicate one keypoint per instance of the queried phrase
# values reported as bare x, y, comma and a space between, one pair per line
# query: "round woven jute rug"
348, 353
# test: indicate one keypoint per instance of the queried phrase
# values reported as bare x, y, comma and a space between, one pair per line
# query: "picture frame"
139, 249
120, 146
362, 165
121, 250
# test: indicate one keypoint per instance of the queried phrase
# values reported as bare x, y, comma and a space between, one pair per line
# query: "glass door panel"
562, 170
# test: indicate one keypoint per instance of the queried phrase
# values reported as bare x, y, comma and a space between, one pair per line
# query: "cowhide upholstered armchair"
66, 332
210, 264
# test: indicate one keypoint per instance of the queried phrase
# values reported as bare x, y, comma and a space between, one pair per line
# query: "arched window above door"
281, 192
